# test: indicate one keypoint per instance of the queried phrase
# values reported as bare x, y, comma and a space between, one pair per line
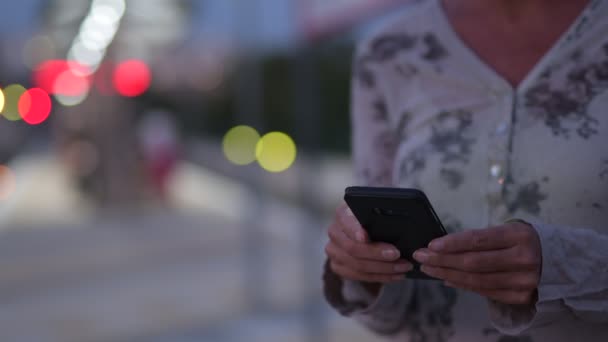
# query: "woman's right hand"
352, 256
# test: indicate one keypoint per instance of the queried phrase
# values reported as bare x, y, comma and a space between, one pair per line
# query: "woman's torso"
484, 151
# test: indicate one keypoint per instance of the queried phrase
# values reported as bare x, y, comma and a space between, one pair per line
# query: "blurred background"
168, 167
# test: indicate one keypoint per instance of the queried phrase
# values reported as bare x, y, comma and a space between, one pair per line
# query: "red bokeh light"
62, 77
131, 78
70, 83
35, 106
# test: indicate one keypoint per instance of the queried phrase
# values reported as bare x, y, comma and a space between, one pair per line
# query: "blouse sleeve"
374, 139
573, 284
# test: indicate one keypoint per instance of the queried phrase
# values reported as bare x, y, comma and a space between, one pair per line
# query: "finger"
367, 266
518, 281
370, 251
508, 259
475, 240
511, 297
350, 225
350, 274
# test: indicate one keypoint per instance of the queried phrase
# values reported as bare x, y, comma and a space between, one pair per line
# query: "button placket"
496, 170
498, 154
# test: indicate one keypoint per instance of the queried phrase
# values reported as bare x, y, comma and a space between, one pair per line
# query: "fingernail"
403, 268
436, 245
424, 269
421, 256
360, 236
349, 212
390, 254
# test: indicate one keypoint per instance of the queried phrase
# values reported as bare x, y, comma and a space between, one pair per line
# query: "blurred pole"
249, 103
307, 108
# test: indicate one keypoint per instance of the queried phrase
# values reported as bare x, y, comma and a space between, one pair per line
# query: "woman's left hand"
502, 263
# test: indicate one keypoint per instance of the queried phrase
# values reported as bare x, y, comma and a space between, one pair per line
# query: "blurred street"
168, 168
174, 275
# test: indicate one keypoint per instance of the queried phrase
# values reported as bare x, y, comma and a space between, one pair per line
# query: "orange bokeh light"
131, 78
7, 182
35, 106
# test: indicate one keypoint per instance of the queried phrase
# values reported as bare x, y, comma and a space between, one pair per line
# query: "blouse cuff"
354, 291
515, 319
391, 299
334, 291
564, 268
384, 315
381, 314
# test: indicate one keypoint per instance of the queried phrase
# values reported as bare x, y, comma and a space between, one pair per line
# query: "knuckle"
470, 263
331, 233
359, 266
527, 257
434, 259
350, 248
523, 297
478, 239
331, 252
368, 267
529, 281
381, 268
525, 232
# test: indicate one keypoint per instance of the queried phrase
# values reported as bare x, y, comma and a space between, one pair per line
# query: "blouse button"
495, 170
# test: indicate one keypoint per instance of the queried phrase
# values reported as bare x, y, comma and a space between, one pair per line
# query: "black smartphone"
401, 217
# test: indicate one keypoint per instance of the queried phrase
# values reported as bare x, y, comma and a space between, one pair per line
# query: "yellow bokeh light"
12, 94
239, 145
276, 152
7, 182
1, 100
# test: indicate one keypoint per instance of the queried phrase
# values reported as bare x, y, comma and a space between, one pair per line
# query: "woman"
498, 110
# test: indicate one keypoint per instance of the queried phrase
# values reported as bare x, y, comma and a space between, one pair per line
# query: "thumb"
351, 226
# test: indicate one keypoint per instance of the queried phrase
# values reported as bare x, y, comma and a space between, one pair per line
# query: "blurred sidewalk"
68, 274
43, 193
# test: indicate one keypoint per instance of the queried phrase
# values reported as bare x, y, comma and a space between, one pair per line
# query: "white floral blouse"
427, 113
